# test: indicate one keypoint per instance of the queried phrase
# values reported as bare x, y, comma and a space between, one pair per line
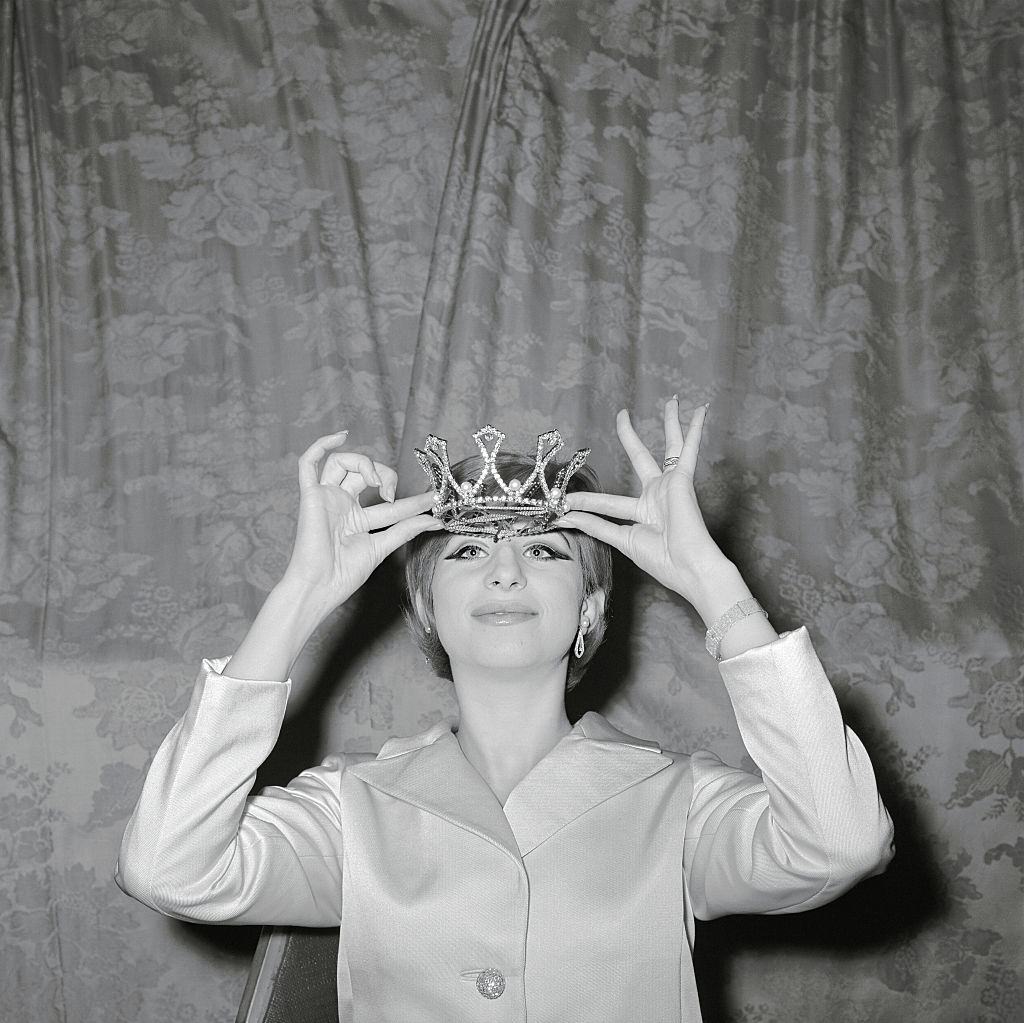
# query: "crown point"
521, 507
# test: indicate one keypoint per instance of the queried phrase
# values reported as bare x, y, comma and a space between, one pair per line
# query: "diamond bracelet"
739, 611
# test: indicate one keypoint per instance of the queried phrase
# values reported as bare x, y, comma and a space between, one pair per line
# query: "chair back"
293, 977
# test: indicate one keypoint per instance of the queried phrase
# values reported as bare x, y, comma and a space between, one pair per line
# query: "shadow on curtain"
230, 227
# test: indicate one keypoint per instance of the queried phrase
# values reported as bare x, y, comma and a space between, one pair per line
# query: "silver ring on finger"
670, 463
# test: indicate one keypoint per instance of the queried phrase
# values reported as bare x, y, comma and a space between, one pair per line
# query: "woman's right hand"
338, 543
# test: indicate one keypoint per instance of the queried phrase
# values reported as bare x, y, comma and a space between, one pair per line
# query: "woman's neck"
509, 724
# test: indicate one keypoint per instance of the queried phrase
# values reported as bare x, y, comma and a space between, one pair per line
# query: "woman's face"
512, 603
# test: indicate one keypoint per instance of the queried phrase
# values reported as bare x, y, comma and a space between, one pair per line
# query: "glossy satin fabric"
581, 890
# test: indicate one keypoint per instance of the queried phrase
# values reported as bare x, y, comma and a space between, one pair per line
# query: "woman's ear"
593, 606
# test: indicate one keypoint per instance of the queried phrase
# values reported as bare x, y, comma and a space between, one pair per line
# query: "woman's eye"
534, 552
468, 552
541, 552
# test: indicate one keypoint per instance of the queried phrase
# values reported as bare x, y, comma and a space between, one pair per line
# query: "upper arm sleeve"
198, 847
813, 824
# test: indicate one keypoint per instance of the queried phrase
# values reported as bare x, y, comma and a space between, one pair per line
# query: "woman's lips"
504, 614
504, 617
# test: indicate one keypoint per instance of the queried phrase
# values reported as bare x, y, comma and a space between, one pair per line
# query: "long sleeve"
197, 848
813, 825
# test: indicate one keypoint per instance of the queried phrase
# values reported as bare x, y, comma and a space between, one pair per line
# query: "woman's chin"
512, 658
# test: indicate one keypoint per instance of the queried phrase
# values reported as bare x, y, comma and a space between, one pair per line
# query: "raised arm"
338, 544
663, 531
196, 846
813, 825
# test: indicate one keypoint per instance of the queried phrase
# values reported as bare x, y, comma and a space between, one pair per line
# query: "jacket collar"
594, 762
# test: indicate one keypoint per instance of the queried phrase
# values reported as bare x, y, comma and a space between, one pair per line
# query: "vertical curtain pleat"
30, 980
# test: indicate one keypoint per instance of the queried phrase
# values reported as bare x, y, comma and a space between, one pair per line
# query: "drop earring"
580, 646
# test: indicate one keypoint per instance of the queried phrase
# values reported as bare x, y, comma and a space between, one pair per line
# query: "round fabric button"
490, 982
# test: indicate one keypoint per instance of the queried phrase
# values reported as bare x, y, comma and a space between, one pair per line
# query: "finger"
354, 470
673, 431
389, 540
356, 483
640, 458
381, 515
389, 480
353, 484
309, 460
593, 525
688, 458
334, 470
613, 505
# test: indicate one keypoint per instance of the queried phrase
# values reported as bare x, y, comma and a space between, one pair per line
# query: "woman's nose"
504, 568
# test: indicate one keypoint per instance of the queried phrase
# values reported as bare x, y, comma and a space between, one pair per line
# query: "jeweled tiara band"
520, 508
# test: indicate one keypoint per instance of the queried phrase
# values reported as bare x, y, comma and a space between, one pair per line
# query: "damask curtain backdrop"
230, 227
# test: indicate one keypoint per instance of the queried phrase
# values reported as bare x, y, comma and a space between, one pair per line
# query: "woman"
519, 867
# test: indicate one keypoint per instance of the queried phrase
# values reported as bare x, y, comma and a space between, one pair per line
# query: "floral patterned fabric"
230, 227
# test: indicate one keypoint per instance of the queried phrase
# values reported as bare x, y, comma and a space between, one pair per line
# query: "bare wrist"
288, 617
721, 586
310, 604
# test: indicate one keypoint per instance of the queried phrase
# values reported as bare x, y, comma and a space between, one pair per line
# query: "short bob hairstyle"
423, 552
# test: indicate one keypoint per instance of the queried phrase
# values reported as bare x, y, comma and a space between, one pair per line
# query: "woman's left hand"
665, 534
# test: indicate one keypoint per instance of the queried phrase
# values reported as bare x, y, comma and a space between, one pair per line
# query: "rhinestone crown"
520, 508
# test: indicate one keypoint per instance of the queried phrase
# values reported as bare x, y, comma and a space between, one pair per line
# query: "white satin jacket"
573, 902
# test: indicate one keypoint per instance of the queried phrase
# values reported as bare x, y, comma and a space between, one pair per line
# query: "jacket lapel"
593, 763
430, 771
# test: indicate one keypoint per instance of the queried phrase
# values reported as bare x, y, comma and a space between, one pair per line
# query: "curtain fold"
229, 228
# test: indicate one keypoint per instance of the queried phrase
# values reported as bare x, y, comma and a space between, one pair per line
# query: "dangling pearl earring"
580, 647
426, 628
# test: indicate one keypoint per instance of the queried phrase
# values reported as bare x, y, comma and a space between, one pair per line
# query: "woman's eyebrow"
457, 540
548, 537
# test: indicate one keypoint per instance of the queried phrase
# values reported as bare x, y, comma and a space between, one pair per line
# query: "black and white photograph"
512, 511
